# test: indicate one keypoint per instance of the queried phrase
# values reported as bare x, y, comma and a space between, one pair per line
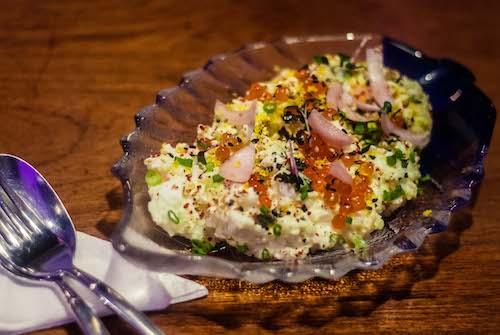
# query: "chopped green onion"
359, 243
412, 157
387, 107
404, 163
264, 220
201, 158
201, 247
393, 195
334, 238
344, 59
372, 126
153, 178
242, 248
399, 154
187, 162
391, 160
365, 148
173, 217
319, 59
269, 107
359, 128
264, 210
210, 166
304, 190
266, 255
217, 178
425, 178
348, 220
277, 229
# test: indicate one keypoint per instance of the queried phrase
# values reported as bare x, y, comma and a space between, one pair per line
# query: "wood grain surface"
73, 73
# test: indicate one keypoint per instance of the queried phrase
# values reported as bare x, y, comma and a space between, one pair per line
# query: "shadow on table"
316, 302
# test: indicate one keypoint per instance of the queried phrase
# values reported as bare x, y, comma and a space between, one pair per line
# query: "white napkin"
26, 305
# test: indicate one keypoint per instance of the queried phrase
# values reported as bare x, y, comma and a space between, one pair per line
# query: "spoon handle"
112, 299
89, 323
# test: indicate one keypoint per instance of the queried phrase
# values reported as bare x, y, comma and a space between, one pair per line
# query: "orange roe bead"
255, 92
302, 74
258, 183
281, 94
222, 153
351, 198
316, 148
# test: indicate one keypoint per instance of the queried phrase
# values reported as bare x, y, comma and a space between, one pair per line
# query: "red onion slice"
332, 135
388, 127
375, 64
339, 171
239, 166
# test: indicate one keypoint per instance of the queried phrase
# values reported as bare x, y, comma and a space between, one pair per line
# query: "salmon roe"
315, 86
351, 198
258, 183
302, 74
315, 148
281, 94
228, 145
257, 91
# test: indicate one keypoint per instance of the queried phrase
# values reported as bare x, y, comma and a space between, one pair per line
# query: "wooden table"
72, 75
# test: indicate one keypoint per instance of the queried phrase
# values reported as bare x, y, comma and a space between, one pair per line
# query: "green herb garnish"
153, 178
304, 190
387, 107
210, 166
201, 158
265, 220
277, 229
360, 128
391, 160
187, 162
269, 107
266, 255
201, 247
217, 178
359, 243
371, 126
412, 157
173, 217
242, 248
319, 59
348, 220
425, 178
393, 195
344, 59
365, 148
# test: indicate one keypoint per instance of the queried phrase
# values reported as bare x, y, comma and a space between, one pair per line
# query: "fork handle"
89, 323
112, 299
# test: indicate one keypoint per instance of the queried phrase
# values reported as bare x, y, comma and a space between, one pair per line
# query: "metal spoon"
40, 237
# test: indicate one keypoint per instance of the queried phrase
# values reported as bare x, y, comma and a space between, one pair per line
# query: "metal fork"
15, 241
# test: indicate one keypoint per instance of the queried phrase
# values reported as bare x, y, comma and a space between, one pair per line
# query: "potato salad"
310, 160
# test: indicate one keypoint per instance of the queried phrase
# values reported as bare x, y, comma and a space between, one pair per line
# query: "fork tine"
12, 221
10, 237
11, 203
